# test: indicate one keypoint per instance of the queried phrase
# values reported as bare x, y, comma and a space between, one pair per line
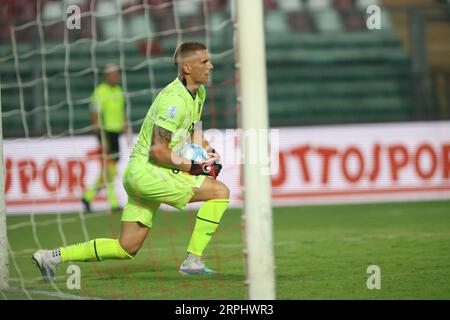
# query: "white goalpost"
257, 185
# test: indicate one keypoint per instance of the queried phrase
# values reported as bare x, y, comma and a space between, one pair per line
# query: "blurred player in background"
109, 122
157, 174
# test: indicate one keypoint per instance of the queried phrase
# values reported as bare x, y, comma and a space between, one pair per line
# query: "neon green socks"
208, 219
110, 175
91, 192
94, 250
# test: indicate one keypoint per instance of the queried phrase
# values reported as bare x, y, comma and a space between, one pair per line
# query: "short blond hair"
110, 67
186, 47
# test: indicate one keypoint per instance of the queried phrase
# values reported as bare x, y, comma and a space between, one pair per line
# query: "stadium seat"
297, 18
139, 24
52, 10
216, 5
326, 18
351, 16
276, 22
220, 31
270, 5
187, 8
300, 21
343, 4
164, 18
53, 15
23, 12
353, 20
290, 5
192, 21
318, 4
216, 20
17, 12
75, 2
190, 15
107, 19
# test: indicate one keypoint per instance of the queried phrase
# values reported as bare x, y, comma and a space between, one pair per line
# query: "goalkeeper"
156, 174
109, 122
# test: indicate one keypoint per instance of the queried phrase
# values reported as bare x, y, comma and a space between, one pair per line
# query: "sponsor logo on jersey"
171, 112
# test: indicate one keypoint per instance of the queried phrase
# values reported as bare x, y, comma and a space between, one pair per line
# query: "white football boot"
193, 265
47, 261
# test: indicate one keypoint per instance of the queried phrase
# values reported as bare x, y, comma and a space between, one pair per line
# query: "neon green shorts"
148, 186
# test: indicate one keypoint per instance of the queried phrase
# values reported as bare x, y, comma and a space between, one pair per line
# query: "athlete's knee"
132, 236
226, 192
221, 191
130, 247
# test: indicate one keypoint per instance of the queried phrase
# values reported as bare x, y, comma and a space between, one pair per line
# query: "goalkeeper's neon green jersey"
109, 101
175, 110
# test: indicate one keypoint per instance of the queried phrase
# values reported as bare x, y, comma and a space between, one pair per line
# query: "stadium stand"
324, 66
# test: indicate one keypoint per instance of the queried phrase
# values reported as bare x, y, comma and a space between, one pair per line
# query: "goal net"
52, 56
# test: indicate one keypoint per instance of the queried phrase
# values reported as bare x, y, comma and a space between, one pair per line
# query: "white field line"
53, 221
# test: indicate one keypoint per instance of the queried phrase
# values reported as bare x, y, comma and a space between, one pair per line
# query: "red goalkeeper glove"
211, 169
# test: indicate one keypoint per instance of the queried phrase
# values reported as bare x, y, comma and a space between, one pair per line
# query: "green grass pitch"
321, 252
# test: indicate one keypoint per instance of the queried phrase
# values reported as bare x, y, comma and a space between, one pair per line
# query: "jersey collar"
183, 81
